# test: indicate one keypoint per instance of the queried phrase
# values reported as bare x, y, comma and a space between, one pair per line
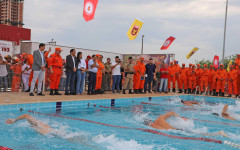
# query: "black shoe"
216, 94
180, 91
185, 91
73, 93
197, 92
136, 92
201, 93
40, 94
28, 90
229, 95
173, 90
130, 92
149, 92
51, 92
31, 94
66, 93
222, 94
189, 90
210, 93
237, 96
57, 93
124, 92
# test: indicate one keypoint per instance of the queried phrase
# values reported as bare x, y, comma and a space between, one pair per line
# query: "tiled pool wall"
104, 102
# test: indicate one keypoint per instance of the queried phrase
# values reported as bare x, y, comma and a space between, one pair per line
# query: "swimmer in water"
225, 114
162, 124
189, 103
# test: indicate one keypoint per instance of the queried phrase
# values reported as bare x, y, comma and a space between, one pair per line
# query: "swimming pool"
118, 124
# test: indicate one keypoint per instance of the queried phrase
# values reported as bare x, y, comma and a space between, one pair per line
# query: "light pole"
225, 26
142, 45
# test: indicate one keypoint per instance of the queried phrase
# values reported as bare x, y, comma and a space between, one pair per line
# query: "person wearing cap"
177, 75
92, 68
81, 73
150, 75
183, 79
108, 75
116, 74
99, 75
71, 69
211, 74
171, 77
141, 72
232, 81
38, 67
199, 72
17, 69
129, 71
164, 79
55, 64
204, 79
192, 80
221, 77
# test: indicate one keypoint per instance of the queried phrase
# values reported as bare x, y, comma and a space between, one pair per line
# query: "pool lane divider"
140, 129
174, 106
5, 148
236, 125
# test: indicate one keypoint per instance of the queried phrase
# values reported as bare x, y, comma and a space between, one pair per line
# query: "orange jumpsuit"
56, 62
232, 75
183, 78
30, 63
210, 79
99, 75
16, 81
177, 76
237, 61
192, 78
238, 80
136, 77
171, 77
221, 77
198, 75
204, 80
142, 69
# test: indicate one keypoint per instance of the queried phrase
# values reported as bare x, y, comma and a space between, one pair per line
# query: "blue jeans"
165, 83
91, 82
80, 81
4, 83
148, 83
70, 80
116, 82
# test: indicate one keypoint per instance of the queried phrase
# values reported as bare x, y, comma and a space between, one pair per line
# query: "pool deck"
20, 98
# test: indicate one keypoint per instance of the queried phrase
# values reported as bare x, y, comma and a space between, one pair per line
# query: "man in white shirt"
116, 74
81, 73
92, 68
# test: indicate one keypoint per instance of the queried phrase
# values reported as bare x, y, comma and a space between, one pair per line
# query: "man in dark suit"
71, 68
39, 65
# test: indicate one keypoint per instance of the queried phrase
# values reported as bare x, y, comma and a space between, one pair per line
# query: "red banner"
89, 9
167, 43
216, 61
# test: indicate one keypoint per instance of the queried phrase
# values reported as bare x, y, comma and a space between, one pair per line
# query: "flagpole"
225, 25
142, 45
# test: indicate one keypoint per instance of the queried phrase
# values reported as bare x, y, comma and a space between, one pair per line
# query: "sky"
194, 23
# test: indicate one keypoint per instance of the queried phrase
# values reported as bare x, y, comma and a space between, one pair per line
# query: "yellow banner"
229, 64
134, 29
195, 49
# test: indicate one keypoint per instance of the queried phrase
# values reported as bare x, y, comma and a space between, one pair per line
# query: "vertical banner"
216, 61
167, 43
134, 29
193, 51
89, 9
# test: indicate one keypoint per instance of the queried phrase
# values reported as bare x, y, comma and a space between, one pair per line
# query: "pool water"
118, 124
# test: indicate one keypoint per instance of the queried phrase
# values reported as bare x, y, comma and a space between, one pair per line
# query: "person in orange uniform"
141, 73
55, 64
237, 60
232, 81
221, 77
215, 83
177, 75
210, 79
171, 77
136, 77
204, 78
183, 79
189, 67
238, 78
198, 77
99, 75
192, 79
17, 69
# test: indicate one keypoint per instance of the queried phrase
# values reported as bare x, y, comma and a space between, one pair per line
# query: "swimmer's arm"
225, 109
29, 118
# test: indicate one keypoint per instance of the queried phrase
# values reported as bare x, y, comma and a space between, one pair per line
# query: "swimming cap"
147, 121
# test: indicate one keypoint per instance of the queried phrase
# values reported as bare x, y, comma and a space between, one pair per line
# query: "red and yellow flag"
134, 29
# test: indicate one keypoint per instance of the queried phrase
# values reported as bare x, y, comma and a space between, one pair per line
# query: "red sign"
216, 61
89, 9
135, 30
167, 43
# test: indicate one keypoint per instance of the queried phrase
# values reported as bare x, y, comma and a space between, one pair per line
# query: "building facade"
11, 12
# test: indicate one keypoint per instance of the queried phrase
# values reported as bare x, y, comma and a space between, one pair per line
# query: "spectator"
26, 71
71, 68
129, 71
81, 73
99, 75
150, 74
92, 68
164, 79
107, 76
8, 58
156, 81
39, 65
3, 74
63, 77
116, 74
16, 81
